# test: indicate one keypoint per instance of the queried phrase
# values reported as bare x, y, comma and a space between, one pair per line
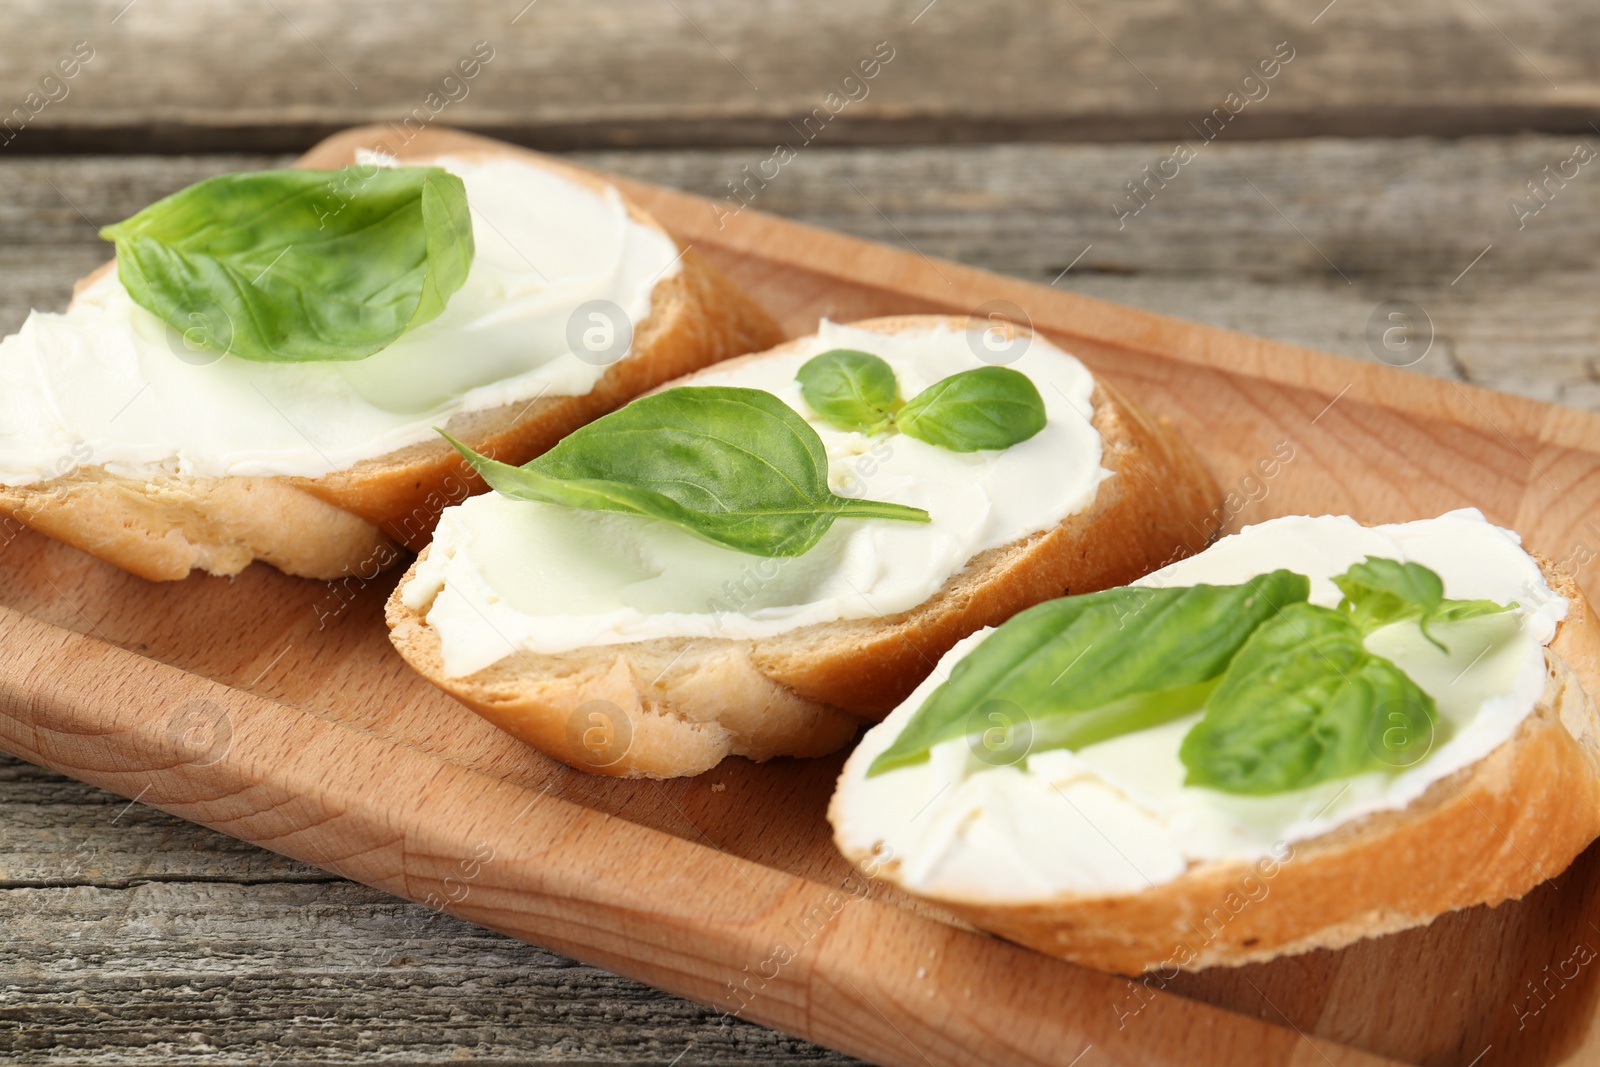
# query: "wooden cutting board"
273, 709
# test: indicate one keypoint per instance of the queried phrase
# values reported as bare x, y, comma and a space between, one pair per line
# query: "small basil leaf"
306, 265
1302, 703
853, 390
1456, 610
737, 467
1381, 591
1086, 668
990, 407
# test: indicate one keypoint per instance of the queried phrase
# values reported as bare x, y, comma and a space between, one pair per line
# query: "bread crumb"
717, 787
922, 972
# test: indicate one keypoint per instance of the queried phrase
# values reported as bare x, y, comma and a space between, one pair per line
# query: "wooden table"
1388, 160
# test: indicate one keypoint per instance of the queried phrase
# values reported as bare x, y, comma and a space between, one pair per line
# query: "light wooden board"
335, 754
210, 74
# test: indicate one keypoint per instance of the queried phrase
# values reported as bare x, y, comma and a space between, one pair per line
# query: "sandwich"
1310, 733
764, 554
259, 372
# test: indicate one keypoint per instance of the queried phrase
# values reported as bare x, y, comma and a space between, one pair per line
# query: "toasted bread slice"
690, 702
1490, 832
161, 526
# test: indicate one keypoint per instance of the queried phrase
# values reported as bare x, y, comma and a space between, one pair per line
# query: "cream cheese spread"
109, 380
1116, 817
504, 575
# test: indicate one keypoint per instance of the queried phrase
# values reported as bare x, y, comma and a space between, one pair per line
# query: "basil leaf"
1086, 668
306, 265
986, 408
990, 407
1456, 610
1305, 702
736, 466
851, 389
1381, 591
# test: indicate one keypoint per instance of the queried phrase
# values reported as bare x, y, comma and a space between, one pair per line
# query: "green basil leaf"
1087, 668
851, 389
1381, 591
736, 466
990, 407
1456, 610
306, 265
1305, 702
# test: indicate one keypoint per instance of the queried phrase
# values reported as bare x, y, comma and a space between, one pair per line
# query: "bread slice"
161, 526
1485, 834
690, 702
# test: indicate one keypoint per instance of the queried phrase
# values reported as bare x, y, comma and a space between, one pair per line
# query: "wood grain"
175, 75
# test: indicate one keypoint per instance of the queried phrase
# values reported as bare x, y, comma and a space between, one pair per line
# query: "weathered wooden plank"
133, 937
1401, 219
320, 973
55, 832
1416, 209
176, 74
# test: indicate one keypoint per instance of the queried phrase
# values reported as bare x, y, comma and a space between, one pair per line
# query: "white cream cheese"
1115, 816
105, 378
503, 575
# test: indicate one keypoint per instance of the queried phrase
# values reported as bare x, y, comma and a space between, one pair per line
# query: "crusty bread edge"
1488, 833
686, 704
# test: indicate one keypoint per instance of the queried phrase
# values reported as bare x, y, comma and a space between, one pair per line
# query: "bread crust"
690, 702
1488, 833
351, 521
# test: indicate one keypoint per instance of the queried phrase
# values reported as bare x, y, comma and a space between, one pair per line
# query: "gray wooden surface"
1001, 134
576, 73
